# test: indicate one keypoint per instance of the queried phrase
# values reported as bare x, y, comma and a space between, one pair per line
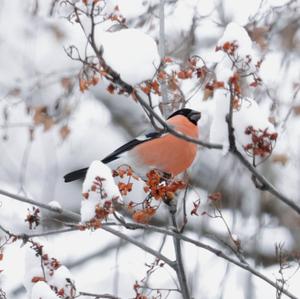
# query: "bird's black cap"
192, 115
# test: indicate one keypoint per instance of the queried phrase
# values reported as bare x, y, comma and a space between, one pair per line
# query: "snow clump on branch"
238, 66
99, 193
45, 277
131, 53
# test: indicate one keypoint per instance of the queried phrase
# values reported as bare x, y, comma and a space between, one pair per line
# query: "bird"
158, 150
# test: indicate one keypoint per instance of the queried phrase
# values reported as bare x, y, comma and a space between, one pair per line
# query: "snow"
249, 113
32, 269
131, 53
31, 52
60, 277
54, 204
41, 290
236, 34
13, 216
106, 189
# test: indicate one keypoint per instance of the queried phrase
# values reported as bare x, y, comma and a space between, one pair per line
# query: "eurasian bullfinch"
158, 150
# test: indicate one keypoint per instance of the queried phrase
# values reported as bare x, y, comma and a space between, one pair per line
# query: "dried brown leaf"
64, 132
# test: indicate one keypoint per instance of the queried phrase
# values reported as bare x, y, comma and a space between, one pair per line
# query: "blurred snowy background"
48, 128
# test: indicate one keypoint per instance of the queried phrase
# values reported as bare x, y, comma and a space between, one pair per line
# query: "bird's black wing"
130, 145
80, 173
75, 175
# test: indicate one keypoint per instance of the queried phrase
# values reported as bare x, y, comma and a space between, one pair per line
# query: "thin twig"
140, 245
98, 296
178, 253
60, 211
104, 227
115, 77
217, 252
266, 184
174, 132
52, 232
184, 199
172, 233
166, 109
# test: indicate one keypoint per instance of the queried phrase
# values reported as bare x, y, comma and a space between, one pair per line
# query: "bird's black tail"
80, 173
75, 175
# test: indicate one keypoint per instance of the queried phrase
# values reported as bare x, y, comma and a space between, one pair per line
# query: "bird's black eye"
194, 116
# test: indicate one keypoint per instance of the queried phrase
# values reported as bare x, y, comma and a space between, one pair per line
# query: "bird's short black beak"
194, 116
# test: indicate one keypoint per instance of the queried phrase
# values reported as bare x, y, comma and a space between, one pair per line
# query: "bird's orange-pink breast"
170, 153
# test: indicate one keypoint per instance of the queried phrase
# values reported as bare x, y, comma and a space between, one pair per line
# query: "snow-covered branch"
170, 232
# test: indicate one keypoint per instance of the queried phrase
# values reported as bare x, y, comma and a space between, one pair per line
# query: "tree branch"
172, 131
178, 253
170, 233
77, 218
267, 186
166, 109
140, 245
98, 296
217, 252
114, 77
65, 213
43, 234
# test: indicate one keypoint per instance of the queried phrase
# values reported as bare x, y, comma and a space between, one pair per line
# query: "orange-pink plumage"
170, 153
